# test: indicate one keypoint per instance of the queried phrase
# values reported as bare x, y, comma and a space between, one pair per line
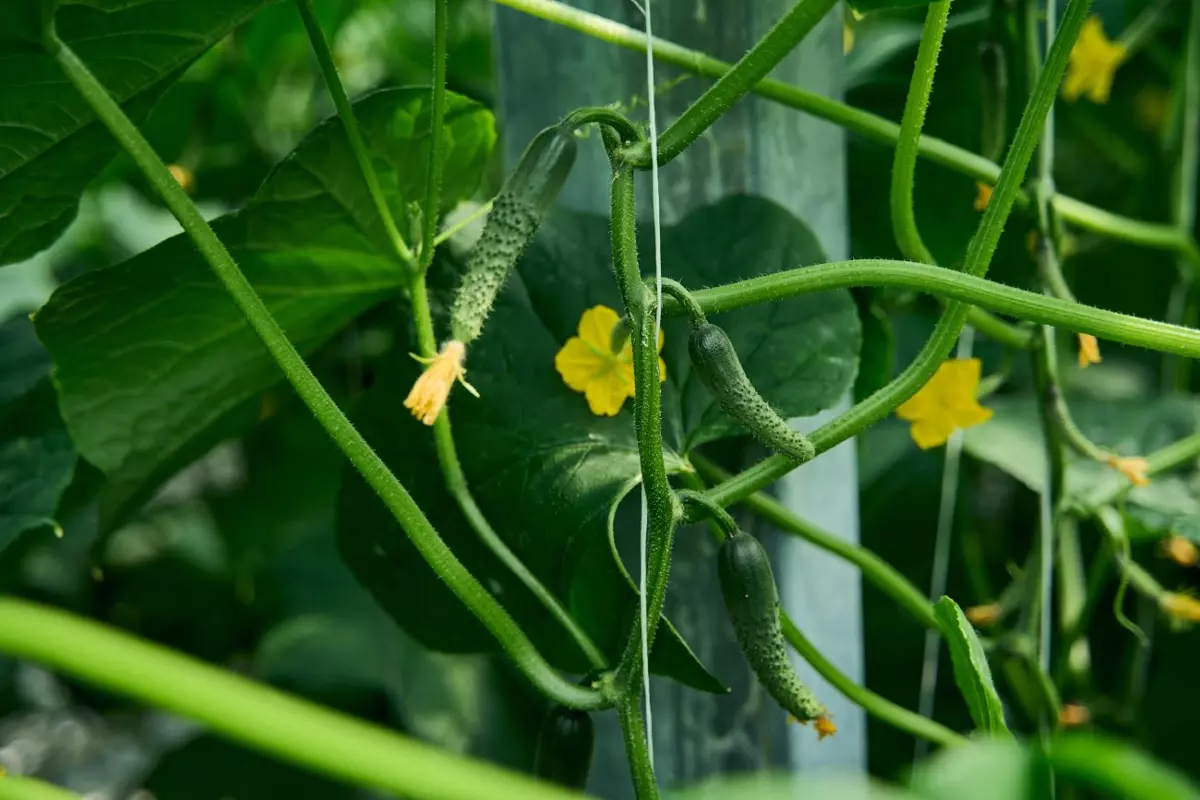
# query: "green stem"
437, 117
978, 257
1097, 582
397, 499
1074, 656
904, 165
976, 167
873, 568
1183, 188
637, 750
736, 83
697, 507
449, 232
342, 103
610, 117
896, 716
998, 297
661, 506
679, 293
257, 716
1176, 454
1142, 28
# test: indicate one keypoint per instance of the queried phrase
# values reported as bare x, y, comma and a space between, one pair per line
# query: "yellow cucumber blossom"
587, 363
1089, 350
824, 727
983, 195
1132, 467
429, 393
984, 615
1180, 550
945, 404
1180, 606
1094, 60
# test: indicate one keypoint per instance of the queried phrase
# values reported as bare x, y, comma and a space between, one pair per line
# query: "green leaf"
37, 460
1012, 441
51, 146
996, 769
971, 670
864, 6
548, 473
151, 354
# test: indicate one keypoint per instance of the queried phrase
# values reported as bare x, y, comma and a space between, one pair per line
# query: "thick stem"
896, 716
873, 568
437, 116
397, 499
997, 297
637, 749
661, 506
736, 83
342, 103
1088, 217
257, 716
904, 165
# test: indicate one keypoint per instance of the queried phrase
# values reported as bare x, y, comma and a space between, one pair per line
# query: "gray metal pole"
797, 161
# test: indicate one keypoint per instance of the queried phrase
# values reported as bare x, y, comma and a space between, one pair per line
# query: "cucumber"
748, 587
527, 192
564, 747
717, 364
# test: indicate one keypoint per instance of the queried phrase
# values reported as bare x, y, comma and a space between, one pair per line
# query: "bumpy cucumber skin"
527, 193
717, 364
748, 586
564, 747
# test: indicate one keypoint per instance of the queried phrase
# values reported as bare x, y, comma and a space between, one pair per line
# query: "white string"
657, 211
941, 556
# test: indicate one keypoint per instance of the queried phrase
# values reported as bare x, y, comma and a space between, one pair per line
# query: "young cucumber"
717, 364
564, 747
752, 600
514, 218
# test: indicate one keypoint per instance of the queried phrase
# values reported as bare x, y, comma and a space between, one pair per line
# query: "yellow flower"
1180, 550
983, 195
1180, 606
1094, 59
1089, 350
587, 363
945, 404
984, 615
1133, 468
824, 727
429, 393
1074, 715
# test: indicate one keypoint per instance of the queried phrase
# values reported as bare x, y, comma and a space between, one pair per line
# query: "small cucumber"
527, 192
717, 364
748, 586
564, 747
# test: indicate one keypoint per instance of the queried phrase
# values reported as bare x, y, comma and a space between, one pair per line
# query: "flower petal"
595, 327
932, 431
606, 394
579, 364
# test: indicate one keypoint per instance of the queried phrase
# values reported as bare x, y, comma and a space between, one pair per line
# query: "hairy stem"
342, 103
249, 713
397, 499
660, 501
637, 749
998, 297
437, 117
972, 165
904, 165
896, 716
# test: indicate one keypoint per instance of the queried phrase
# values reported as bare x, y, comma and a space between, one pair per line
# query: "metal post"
797, 161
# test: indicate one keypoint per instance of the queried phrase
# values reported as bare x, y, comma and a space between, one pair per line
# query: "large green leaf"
971, 670
995, 769
151, 354
51, 146
546, 471
1012, 441
36, 463
786, 786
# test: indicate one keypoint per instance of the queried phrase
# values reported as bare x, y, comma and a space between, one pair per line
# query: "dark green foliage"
564, 748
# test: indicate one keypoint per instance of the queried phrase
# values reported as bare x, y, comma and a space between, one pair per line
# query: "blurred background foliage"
233, 559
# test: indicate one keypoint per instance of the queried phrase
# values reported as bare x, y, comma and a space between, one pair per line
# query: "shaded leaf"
996, 769
971, 670
546, 471
51, 146
1118, 769
151, 354
780, 786
36, 463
